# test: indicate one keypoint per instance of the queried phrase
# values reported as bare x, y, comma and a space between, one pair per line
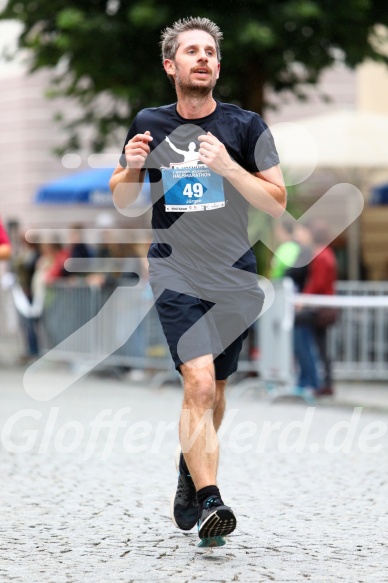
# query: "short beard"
194, 91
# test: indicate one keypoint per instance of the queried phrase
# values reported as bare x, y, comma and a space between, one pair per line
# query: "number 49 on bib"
195, 189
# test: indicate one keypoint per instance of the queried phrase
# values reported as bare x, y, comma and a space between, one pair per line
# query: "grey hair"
169, 42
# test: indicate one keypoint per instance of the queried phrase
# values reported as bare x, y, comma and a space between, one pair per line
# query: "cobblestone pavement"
83, 504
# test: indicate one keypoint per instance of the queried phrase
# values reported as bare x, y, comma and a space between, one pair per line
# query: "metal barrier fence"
112, 326
93, 326
358, 342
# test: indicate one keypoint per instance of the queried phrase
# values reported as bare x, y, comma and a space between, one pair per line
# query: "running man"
202, 269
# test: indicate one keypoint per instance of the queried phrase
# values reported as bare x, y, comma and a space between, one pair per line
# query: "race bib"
195, 188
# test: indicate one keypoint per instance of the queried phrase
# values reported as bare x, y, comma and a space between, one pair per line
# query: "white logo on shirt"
191, 156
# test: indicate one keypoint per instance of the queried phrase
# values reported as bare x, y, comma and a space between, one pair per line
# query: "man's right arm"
126, 183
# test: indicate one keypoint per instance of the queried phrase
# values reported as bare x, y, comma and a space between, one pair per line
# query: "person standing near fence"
314, 272
23, 264
202, 270
321, 279
286, 252
305, 346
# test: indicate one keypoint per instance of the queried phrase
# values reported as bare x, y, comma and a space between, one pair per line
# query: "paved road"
83, 504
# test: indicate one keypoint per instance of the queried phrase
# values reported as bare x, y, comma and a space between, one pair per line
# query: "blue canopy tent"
90, 187
379, 194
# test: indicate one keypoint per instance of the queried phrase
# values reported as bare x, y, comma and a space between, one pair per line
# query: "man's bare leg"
197, 433
219, 408
202, 412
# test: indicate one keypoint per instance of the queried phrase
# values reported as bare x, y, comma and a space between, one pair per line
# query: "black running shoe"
216, 520
184, 505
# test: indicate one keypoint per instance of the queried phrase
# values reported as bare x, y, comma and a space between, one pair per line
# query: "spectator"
299, 270
321, 278
24, 265
305, 348
50, 264
78, 249
48, 271
5, 246
287, 251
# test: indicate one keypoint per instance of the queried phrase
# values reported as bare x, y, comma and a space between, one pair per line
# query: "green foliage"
258, 35
110, 48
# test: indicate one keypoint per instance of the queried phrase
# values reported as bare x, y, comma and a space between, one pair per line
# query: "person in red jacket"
321, 278
5, 246
322, 272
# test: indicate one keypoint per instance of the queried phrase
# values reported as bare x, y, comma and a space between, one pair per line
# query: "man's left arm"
264, 190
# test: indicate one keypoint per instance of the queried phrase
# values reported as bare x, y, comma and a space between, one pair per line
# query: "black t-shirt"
211, 247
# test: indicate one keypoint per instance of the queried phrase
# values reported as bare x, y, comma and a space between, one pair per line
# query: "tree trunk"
253, 89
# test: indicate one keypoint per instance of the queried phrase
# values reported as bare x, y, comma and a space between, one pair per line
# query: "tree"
105, 53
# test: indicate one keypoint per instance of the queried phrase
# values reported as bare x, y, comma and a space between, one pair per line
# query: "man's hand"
263, 190
125, 183
137, 150
214, 154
